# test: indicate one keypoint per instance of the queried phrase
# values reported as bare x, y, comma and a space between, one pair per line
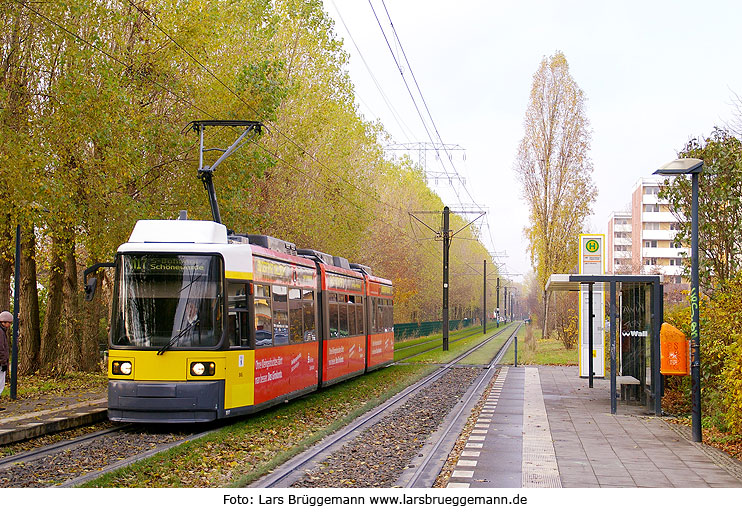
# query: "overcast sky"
655, 74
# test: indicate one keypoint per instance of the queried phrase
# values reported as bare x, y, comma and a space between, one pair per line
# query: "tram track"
467, 332
292, 472
75, 461
465, 335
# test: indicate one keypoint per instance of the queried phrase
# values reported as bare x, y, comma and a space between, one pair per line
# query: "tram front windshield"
168, 301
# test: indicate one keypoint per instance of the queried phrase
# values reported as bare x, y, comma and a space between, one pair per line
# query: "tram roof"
562, 282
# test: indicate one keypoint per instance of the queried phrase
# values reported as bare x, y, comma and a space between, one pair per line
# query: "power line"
385, 98
188, 102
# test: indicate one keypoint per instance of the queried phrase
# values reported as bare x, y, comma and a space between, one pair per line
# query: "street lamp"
692, 166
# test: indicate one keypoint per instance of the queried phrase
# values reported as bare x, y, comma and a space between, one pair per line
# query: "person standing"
6, 320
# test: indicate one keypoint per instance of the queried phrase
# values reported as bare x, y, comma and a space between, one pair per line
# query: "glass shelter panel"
635, 338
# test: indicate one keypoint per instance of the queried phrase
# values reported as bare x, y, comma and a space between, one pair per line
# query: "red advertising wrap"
343, 357
380, 348
284, 369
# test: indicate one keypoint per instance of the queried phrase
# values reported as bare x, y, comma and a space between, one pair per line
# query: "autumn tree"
95, 97
555, 170
719, 206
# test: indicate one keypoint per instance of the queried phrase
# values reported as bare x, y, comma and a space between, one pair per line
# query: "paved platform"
24, 419
543, 427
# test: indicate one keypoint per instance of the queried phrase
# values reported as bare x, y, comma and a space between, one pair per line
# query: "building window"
622, 221
651, 208
650, 261
674, 226
651, 190
677, 245
623, 234
650, 243
652, 225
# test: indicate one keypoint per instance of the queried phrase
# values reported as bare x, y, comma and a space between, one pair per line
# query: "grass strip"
540, 351
439, 356
247, 449
434, 337
408, 351
486, 353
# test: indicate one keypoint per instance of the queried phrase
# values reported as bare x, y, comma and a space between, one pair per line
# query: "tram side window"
344, 305
309, 316
238, 320
333, 320
352, 327
295, 316
374, 303
389, 315
263, 317
280, 316
360, 323
380, 316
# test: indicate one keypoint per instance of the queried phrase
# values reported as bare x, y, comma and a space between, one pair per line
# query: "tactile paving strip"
539, 459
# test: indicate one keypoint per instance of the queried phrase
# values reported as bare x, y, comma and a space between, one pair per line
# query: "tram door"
634, 350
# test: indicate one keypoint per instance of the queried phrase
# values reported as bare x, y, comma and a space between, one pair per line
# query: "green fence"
412, 330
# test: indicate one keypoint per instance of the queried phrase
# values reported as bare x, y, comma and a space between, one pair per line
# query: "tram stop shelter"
635, 314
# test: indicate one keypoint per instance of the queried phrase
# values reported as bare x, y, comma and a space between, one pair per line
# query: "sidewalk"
543, 427
26, 418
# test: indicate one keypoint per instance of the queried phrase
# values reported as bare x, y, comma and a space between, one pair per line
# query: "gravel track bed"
453, 457
46, 440
83, 459
380, 454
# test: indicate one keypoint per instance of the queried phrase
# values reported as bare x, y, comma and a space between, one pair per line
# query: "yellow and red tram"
207, 325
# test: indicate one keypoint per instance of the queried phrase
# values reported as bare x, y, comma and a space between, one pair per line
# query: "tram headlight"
121, 367
203, 368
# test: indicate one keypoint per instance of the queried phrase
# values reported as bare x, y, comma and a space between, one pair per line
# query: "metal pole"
498, 302
656, 318
506, 304
660, 318
484, 300
590, 334
16, 302
613, 347
695, 332
446, 244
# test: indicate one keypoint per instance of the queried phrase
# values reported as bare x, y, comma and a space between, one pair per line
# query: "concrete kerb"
35, 424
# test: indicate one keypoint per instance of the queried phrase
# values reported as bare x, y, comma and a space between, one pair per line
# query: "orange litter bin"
674, 351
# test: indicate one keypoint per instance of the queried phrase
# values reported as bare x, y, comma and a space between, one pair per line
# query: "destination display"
269, 271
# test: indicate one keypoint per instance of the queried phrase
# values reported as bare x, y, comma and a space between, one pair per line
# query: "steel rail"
292, 465
450, 341
43, 451
419, 470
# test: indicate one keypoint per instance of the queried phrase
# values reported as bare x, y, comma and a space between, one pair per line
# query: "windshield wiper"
178, 336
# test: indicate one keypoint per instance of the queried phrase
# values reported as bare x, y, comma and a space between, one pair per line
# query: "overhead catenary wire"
432, 121
395, 114
188, 102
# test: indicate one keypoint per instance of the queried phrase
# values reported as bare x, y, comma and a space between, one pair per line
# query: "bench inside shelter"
626, 383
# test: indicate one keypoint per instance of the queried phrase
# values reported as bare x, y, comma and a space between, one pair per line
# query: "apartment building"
618, 248
642, 240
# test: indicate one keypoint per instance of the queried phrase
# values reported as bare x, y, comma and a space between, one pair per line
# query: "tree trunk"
92, 314
6, 262
71, 344
30, 334
52, 318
